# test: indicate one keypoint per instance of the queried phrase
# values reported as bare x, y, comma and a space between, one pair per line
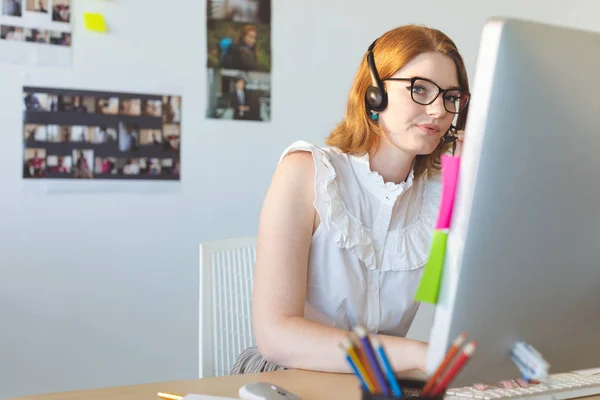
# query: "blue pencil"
388, 368
357, 373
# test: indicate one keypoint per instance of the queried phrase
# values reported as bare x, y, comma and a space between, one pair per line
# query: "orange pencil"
460, 362
442, 367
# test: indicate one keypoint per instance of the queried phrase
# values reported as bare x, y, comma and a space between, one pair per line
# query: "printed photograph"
171, 109
59, 133
172, 137
150, 166
58, 164
248, 11
34, 163
107, 105
82, 133
83, 162
128, 166
13, 33
239, 95
61, 10
35, 133
150, 137
40, 102
103, 134
170, 167
152, 108
129, 137
130, 106
78, 104
106, 166
37, 36
232, 45
60, 38
13, 8
40, 6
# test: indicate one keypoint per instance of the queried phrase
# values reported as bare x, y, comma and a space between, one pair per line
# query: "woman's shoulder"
320, 154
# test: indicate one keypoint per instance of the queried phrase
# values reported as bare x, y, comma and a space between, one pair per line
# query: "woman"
345, 231
243, 55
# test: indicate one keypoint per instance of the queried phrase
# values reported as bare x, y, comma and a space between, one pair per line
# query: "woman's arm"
282, 333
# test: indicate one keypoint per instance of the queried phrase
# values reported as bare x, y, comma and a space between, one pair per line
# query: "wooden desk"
307, 384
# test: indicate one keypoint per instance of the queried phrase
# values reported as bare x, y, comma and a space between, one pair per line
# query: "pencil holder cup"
410, 388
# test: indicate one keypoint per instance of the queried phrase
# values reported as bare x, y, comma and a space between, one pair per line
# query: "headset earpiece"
375, 96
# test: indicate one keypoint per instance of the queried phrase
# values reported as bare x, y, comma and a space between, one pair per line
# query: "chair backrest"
226, 271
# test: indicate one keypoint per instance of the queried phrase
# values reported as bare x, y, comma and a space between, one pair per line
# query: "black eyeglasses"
424, 92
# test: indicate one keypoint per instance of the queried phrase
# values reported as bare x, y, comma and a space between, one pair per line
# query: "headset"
376, 99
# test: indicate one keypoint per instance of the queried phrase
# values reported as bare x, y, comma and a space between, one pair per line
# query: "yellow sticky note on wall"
94, 22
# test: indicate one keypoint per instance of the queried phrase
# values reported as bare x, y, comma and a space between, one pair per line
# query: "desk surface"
308, 385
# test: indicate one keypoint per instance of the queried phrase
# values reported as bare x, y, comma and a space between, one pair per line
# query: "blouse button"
374, 288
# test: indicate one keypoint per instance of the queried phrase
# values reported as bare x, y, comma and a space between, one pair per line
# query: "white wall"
93, 292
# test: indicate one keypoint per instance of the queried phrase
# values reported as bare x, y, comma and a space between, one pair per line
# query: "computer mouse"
265, 391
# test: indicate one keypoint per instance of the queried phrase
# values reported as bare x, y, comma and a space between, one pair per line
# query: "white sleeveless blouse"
368, 253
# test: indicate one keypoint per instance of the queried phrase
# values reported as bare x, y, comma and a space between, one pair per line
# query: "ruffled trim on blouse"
411, 244
343, 228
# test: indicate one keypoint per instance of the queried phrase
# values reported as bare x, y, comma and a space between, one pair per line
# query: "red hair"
359, 134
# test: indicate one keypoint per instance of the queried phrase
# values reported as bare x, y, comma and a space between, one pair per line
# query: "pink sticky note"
450, 166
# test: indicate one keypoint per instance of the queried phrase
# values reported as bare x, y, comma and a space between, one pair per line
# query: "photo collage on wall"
80, 134
46, 22
239, 59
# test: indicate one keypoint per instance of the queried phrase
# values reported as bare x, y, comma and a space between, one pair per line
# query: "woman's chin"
425, 148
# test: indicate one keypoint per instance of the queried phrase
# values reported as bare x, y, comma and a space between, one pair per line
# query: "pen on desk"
361, 332
362, 373
444, 364
455, 368
169, 396
387, 367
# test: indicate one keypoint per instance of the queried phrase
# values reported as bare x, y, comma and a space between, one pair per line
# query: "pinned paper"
94, 22
450, 167
432, 276
431, 281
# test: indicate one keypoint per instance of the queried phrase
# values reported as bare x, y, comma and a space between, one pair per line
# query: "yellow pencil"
349, 348
169, 396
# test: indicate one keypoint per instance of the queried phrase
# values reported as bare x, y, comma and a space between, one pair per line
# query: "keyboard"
559, 386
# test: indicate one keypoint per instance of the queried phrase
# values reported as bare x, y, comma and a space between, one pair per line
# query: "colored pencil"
357, 372
169, 396
362, 356
351, 352
391, 377
454, 369
445, 362
363, 336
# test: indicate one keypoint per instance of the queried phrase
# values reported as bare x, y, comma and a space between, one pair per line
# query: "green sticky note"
430, 282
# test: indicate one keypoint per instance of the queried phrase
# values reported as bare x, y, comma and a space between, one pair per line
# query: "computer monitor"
523, 253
